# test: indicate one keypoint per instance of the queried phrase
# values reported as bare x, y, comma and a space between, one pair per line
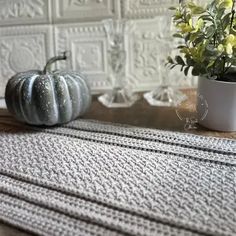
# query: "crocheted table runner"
93, 178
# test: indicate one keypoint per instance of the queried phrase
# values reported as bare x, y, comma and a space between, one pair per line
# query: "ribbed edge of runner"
126, 210
43, 221
190, 140
90, 212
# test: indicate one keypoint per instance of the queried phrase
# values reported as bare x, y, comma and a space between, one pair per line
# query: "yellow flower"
229, 49
225, 3
199, 25
231, 39
228, 45
220, 48
185, 50
185, 27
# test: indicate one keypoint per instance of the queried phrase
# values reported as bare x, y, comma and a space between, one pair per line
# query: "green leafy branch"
208, 36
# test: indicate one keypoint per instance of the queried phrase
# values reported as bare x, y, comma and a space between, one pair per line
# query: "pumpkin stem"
64, 56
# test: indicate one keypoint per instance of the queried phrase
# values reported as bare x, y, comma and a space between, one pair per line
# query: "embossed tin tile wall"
87, 43
33, 30
145, 8
14, 12
23, 48
83, 10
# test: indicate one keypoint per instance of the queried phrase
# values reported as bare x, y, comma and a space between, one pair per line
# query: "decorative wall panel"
145, 8
21, 49
149, 46
13, 12
83, 10
76, 26
87, 43
148, 8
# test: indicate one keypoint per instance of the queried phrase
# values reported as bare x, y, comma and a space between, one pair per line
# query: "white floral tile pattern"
87, 43
75, 25
23, 48
83, 10
24, 12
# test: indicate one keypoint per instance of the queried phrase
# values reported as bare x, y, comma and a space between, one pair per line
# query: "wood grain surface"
165, 118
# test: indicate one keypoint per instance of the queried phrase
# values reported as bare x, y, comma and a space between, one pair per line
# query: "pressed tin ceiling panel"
145, 8
23, 48
88, 46
83, 10
33, 30
14, 12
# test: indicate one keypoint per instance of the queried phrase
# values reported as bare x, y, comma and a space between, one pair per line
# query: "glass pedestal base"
118, 98
164, 96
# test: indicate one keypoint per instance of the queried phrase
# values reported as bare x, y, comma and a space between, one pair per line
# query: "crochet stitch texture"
93, 178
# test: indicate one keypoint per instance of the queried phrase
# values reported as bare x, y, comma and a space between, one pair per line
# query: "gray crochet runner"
93, 178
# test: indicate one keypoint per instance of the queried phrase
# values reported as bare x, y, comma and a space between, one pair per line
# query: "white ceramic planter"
220, 98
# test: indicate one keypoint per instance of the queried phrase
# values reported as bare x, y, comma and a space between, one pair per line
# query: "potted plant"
208, 49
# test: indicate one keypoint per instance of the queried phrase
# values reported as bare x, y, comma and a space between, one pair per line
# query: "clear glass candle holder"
164, 94
120, 94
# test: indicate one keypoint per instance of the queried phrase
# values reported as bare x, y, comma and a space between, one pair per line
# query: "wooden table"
140, 114
143, 115
164, 118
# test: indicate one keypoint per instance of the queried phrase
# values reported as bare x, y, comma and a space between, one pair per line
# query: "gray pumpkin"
47, 98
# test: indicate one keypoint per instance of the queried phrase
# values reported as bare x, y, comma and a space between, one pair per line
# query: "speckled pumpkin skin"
47, 99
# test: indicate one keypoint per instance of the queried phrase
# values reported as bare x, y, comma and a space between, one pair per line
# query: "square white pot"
216, 104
